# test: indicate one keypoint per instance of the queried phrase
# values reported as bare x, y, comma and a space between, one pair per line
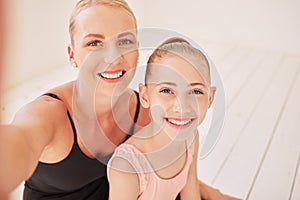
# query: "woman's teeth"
179, 122
112, 75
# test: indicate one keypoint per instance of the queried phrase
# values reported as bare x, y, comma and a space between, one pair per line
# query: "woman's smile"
112, 76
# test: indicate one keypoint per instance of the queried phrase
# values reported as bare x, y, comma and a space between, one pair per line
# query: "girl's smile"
178, 123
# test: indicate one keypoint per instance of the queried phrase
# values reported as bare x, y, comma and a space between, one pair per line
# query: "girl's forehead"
175, 69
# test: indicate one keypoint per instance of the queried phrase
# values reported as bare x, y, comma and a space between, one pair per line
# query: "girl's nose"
182, 104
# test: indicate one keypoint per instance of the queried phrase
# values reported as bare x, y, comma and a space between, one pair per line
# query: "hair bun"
174, 40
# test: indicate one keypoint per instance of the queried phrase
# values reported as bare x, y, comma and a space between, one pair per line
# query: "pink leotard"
150, 184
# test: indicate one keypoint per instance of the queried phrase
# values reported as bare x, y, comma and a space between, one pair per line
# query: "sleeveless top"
75, 177
151, 185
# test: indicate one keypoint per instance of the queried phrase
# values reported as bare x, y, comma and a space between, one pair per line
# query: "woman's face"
105, 45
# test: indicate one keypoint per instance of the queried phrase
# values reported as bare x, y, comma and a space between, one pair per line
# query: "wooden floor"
258, 154
257, 157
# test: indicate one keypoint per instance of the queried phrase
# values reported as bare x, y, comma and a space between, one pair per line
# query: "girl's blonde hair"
84, 4
182, 48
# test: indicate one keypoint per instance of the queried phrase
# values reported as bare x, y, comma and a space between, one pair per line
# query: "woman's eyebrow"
126, 34
94, 35
196, 84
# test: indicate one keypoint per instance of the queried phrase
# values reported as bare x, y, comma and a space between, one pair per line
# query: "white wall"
37, 35
36, 38
272, 24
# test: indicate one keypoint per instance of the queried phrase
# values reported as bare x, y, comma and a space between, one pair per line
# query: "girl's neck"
154, 140
161, 150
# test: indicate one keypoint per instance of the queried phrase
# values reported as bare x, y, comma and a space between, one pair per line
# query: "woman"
46, 145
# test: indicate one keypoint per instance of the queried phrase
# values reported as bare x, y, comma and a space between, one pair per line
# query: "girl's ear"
144, 96
212, 95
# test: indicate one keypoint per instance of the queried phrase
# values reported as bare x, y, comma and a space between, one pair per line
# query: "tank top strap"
136, 116
68, 113
131, 131
137, 109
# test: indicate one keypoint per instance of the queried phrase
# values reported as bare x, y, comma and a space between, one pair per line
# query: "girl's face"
105, 45
177, 95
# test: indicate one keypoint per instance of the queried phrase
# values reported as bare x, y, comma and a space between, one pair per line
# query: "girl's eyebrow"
174, 84
167, 83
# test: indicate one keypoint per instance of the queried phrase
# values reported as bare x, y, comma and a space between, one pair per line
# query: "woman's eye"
95, 43
166, 91
197, 92
125, 42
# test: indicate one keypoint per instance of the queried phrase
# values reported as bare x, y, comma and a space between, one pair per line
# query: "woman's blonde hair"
83, 4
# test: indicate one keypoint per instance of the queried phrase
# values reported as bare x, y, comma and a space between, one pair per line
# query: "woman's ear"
71, 54
144, 96
212, 95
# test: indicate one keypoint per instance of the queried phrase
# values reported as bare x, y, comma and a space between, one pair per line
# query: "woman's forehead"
105, 20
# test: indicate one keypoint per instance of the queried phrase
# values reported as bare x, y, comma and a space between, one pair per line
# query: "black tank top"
75, 177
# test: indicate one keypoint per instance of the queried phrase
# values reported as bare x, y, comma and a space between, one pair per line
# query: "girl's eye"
166, 91
197, 92
95, 43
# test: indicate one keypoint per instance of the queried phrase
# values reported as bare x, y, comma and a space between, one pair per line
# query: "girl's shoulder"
129, 158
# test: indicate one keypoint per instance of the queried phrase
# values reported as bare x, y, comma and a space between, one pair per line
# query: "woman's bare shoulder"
44, 111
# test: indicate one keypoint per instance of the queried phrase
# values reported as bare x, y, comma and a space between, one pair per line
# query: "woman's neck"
115, 116
105, 104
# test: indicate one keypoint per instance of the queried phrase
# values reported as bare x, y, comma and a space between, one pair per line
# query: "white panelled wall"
38, 30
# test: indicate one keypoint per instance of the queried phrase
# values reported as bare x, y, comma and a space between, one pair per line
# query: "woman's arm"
23, 141
210, 193
191, 189
123, 181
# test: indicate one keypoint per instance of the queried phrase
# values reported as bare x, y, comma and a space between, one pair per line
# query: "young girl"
159, 161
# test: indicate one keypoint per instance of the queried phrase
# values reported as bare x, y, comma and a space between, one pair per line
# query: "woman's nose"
112, 55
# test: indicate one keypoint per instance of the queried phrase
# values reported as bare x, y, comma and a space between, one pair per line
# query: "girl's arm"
123, 180
23, 141
192, 190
